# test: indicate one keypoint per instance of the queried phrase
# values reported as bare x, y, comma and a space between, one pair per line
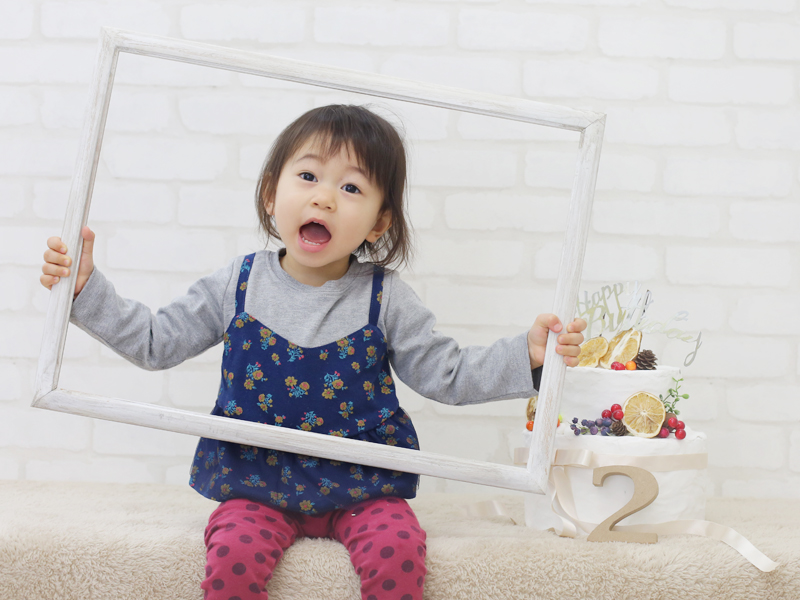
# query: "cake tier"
589, 391
682, 493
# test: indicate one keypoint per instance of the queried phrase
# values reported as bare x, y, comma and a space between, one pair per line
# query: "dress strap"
241, 285
376, 296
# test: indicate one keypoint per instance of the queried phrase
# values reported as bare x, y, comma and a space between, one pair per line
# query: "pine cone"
618, 428
645, 360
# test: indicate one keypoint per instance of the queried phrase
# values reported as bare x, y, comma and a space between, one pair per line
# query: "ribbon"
562, 501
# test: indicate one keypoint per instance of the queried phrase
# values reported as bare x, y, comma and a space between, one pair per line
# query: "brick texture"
534, 30
662, 37
696, 198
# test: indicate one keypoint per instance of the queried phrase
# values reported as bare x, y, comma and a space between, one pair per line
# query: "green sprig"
673, 396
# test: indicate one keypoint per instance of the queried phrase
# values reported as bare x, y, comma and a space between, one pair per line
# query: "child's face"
324, 210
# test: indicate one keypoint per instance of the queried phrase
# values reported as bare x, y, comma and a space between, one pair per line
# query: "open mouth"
315, 233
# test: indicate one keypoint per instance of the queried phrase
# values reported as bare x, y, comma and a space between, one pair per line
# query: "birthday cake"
618, 407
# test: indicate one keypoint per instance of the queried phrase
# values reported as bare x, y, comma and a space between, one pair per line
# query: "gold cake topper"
622, 306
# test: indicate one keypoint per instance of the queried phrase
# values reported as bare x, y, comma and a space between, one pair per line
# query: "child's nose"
324, 199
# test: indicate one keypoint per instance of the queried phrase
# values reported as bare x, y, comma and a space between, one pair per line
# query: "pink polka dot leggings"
245, 540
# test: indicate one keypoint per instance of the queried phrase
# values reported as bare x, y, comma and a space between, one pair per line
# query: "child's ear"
269, 206
381, 226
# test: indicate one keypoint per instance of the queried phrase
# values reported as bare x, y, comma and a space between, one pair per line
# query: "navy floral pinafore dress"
342, 388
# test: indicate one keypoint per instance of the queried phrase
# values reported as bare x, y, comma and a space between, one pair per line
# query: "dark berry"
575, 419
593, 430
577, 431
607, 422
598, 422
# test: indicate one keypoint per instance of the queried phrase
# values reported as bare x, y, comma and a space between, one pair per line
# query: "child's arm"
184, 328
436, 367
568, 343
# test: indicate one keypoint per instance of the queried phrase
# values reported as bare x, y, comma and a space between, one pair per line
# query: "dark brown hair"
379, 150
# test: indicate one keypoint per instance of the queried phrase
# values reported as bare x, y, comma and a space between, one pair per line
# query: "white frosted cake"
677, 464
588, 391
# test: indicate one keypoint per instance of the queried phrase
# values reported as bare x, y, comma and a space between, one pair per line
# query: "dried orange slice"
592, 351
623, 348
605, 362
644, 414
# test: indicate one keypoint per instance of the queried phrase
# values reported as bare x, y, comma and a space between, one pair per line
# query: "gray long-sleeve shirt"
427, 361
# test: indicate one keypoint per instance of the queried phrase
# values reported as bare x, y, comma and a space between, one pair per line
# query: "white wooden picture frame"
532, 479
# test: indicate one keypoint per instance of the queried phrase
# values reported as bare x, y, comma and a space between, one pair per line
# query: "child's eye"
351, 189
307, 176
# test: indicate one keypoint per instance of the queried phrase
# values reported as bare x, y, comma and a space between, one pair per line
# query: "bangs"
330, 133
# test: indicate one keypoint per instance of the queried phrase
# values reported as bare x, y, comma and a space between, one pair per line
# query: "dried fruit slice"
644, 414
625, 349
605, 362
592, 351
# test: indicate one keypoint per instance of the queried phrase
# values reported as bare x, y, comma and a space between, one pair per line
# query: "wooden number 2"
645, 490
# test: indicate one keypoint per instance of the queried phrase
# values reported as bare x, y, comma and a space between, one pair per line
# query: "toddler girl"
309, 334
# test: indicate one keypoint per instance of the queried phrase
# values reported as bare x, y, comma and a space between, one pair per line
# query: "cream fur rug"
84, 541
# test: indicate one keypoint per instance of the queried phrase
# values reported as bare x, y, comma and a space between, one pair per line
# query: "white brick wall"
589, 78
731, 85
531, 30
698, 198
404, 25
779, 41
662, 37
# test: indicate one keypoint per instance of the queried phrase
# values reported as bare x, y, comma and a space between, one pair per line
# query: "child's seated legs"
387, 547
244, 542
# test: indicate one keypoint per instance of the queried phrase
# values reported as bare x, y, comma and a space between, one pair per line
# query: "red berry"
617, 366
672, 422
680, 425
529, 425
663, 433
680, 433
606, 414
615, 407
617, 415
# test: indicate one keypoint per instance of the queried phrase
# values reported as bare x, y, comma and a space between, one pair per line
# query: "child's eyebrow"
319, 158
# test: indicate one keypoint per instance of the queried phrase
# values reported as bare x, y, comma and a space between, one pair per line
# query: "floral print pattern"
348, 392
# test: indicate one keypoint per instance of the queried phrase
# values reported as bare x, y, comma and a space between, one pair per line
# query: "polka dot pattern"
389, 584
386, 545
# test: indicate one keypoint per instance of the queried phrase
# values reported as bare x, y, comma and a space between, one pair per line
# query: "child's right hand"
57, 262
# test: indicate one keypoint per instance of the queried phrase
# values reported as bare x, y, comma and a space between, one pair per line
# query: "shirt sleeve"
434, 365
184, 328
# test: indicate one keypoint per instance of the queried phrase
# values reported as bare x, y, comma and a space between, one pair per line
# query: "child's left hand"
568, 343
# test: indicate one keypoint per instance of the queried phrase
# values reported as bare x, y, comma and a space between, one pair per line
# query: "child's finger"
55, 270
548, 321
88, 239
574, 339
568, 350
48, 281
576, 326
56, 258
56, 244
